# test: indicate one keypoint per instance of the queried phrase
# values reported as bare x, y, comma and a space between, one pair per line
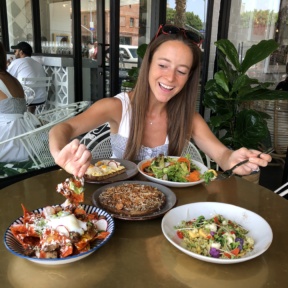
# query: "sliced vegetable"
215, 253
102, 225
193, 176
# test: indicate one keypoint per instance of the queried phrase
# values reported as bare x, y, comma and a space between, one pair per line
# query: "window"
56, 27
193, 18
253, 21
19, 16
131, 22
125, 40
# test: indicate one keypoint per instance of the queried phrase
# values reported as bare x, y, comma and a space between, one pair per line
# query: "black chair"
283, 189
285, 171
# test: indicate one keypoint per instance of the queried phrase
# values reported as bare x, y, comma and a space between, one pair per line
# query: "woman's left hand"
254, 161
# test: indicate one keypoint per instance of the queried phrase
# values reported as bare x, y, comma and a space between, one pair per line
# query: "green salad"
179, 169
217, 237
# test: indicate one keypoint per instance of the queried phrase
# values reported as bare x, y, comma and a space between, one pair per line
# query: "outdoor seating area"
150, 145
36, 140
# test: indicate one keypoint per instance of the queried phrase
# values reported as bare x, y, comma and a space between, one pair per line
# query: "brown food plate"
170, 200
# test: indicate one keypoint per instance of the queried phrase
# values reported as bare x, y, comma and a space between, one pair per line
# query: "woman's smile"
169, 70
165, 87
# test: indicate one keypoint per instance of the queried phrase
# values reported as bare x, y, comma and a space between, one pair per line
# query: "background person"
24, 66
93, 51
157, 117
282, 85
12, 108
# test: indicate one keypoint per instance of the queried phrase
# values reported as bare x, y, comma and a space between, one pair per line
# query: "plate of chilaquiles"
63, 233
175, 171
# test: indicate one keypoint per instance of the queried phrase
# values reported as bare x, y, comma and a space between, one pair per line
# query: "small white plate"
16, 248
258, 228
202, 167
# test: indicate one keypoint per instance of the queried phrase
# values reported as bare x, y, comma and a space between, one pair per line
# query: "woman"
157, 117
12, 108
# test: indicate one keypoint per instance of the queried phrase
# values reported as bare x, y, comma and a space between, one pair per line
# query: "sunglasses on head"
171, 29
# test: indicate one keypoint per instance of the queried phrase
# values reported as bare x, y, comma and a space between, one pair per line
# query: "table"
138, 254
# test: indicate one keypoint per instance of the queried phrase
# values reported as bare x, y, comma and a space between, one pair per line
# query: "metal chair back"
98, 141
29, 94
35, 83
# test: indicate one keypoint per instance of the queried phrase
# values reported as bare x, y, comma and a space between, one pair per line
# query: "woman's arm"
71, 155
224, 157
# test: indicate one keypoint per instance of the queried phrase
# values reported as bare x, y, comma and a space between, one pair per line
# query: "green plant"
134, 71
235, 125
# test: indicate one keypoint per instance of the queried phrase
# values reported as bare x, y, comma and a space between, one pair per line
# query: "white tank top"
119, 140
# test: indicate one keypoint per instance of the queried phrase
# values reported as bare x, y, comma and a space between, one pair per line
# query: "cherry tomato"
180, 234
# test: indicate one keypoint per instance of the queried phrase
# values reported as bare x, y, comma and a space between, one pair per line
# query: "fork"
228, 173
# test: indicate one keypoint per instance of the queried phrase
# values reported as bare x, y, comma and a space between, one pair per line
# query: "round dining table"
138, 254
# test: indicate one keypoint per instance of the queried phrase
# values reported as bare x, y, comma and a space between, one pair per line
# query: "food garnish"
217, 237
181, 169
61, 230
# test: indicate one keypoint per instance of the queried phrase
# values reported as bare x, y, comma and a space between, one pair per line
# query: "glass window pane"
253, 21
19, 16
88, 29
56, 27
250, 22
192, 18
89, 50
129, 22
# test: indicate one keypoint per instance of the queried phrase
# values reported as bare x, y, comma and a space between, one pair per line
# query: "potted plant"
235, 125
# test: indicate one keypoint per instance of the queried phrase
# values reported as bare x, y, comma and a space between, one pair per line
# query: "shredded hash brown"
132, 199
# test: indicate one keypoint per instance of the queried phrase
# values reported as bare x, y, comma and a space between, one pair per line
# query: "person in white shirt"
24, 66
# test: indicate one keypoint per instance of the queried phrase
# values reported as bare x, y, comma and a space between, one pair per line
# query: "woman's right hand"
74, 158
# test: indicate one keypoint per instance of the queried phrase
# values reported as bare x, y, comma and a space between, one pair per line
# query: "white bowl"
202, 167
258, 228
16, 248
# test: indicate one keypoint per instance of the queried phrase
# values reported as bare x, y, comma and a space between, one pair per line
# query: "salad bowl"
201, 166
258, 228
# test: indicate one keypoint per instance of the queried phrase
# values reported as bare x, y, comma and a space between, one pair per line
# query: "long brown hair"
180, 109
